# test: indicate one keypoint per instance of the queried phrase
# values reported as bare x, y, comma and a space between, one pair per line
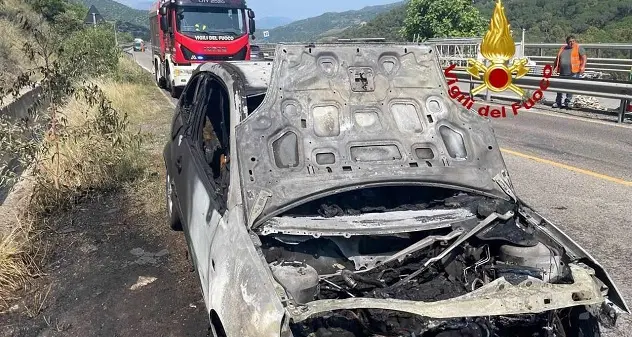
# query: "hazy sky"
301, 9
293, 9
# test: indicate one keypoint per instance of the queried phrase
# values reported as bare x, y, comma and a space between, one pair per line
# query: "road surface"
575, 171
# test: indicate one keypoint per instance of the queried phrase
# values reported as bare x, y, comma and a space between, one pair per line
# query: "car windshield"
211, 21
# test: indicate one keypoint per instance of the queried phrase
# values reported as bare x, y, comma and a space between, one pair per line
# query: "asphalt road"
575, 171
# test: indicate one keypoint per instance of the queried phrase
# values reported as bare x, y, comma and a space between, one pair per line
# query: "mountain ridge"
325, 26
544, 20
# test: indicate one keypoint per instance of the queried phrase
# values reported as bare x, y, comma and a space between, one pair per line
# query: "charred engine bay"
397, 198
407, 265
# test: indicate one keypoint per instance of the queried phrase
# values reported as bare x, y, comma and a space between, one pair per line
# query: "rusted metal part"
369, 223
495, 298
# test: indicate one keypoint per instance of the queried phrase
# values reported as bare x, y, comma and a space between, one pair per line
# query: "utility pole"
523, 30
115, 38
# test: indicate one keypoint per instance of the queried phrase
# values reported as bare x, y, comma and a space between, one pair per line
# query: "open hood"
342, 116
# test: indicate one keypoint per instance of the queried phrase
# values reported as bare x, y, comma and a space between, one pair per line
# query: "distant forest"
544, 20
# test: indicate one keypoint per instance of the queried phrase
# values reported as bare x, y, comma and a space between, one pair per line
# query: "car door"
200, 201
179, 128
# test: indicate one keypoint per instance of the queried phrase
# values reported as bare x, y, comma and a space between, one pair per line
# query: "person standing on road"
570, 62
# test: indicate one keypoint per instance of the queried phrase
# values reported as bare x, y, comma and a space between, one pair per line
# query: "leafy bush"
93, 50
442, 18
90, 150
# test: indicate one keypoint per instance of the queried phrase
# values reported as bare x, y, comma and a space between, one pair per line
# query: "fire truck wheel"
160, 81
175, 91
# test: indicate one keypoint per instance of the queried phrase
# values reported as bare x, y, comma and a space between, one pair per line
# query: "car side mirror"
163, 23
251, 14
163, 11
251, 26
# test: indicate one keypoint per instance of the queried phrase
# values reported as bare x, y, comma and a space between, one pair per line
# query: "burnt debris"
384, 266
399, 198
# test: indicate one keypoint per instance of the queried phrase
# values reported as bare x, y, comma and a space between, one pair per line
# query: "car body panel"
323, 133
243, 295
220, 252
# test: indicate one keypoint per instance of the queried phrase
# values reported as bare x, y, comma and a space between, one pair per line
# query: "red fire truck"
185, 33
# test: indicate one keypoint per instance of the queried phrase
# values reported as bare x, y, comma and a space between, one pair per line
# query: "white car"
340, 192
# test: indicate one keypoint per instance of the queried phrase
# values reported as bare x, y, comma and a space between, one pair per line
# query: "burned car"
339, 191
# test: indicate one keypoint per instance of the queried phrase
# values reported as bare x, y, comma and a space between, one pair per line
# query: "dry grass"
16, 263
152, 115
82, 160
89, 163
12, 59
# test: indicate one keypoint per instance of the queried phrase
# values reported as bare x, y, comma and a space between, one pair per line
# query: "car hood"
342, 116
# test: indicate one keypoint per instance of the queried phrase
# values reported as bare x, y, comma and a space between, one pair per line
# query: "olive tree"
442, 18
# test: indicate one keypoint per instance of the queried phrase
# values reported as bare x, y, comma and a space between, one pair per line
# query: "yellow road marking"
570, 168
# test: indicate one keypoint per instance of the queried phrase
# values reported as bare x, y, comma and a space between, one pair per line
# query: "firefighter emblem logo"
498, 47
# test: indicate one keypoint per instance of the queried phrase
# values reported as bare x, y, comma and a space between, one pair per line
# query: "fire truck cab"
186, 33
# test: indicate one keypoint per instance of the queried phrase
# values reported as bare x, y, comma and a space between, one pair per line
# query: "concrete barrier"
20, 110
22, 107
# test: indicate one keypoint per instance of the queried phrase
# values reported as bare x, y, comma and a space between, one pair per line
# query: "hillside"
112, 10
133, 21
386, 25
544, 20
327, 25
552, 20
13, 60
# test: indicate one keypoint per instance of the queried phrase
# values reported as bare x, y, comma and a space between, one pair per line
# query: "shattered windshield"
211, 21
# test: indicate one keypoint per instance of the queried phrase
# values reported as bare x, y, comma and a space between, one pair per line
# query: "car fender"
244, 295
576, 253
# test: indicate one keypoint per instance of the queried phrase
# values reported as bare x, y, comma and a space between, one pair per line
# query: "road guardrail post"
623, 108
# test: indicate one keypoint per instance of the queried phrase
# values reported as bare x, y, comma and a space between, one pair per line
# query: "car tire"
173, 213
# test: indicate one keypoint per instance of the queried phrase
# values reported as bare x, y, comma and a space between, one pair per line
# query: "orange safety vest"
575, 60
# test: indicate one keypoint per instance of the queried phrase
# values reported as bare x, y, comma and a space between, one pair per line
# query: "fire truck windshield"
211, 21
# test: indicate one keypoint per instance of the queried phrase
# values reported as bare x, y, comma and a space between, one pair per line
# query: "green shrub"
92, 50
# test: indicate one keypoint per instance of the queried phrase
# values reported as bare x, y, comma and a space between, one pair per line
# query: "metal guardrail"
595, 88
590, 60
474, 40
621, 91
615, 46
596, 64
126, 48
